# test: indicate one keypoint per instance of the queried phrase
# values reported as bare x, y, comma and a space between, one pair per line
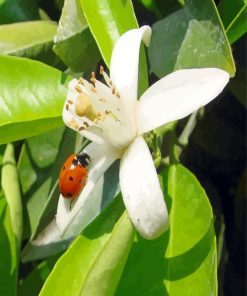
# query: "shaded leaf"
183, 260
35, 43
192, 37
32, 95
74, 43
18, 11
32, 284
94, 262
234, 18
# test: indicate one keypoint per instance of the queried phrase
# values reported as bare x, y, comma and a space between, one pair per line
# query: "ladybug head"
84, 159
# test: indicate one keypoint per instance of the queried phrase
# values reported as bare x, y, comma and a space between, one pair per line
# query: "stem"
189, 127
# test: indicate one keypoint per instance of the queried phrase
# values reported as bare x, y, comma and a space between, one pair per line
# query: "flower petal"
102, 156
141, 191
125, 61
178, 95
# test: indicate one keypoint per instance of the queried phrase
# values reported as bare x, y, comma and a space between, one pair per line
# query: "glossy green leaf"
11, 189
108, 20
183, 260
234, 18
32, 95
74, 43
35, 43
192, 37
10, 222
18, 11
8, 252
94, 262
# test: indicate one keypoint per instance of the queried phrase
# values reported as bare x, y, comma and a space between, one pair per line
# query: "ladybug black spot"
64, 167
69, 194
71, 178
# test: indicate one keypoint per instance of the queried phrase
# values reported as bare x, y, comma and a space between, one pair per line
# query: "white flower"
114, 120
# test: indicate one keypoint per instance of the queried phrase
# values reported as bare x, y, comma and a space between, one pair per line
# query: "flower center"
100, 105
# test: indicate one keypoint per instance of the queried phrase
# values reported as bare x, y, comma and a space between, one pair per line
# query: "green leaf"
94, 262
8, 252
108, 20
74, 43
11, 189
10, 223
18, 11
234, 18
35, 43
32, 95
183, 260
192, 37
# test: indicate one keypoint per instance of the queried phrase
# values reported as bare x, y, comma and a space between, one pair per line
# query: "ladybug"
73, 175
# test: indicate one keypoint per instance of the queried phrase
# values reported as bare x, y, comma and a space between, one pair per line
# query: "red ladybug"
73, 175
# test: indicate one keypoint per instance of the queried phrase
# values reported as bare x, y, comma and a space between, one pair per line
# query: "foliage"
43, 45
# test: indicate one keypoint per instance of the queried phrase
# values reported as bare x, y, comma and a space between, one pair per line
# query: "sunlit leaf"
108, 20
183, 260
11, 189
74, 43
35, 43
94, 262
10, 223
192, 37
32, 95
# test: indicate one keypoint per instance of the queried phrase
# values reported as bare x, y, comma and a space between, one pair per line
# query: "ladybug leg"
70, 204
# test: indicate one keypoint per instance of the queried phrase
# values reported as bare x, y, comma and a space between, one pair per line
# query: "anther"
86, 124
67, 107
78, 88
70, 102
82, 128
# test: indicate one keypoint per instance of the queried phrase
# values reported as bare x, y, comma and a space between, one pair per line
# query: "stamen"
93, 78
101, 70
78, 89
70, 101
67, 107
81, 81
82, 128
